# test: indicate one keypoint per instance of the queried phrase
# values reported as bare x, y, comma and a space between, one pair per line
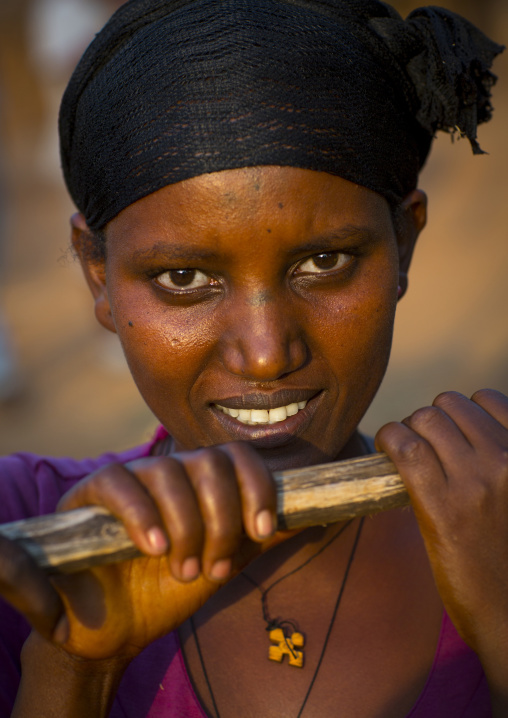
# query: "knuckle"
185, 525
257, 497
185, 542
485, 395
222, 530
160, 471
219, 529
243, 450
503, 456
477, 503
447, 399
411, 450
180, 550
210, 461
134, 513
94, 488
253, 475
104, 483
425, 417
484, 498
222, 546
501, 464
385, 435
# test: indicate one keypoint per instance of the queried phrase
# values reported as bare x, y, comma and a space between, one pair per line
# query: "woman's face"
255, 304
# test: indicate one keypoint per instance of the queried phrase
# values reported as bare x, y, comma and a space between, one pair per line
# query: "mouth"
267, 420
253, 417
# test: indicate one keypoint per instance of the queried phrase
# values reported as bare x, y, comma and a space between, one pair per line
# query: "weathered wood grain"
78, 539
338, 491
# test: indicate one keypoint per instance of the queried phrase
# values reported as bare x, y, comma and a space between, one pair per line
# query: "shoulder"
31, 485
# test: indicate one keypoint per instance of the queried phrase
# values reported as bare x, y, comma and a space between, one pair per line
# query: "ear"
94, 269
411, 219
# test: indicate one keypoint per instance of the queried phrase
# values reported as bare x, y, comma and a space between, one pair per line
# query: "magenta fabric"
456, 686
156, 684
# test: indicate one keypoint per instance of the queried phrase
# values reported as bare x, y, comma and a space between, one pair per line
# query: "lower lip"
269, 436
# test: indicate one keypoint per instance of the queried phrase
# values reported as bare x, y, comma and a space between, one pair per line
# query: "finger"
494, 402
213, 477
257, 491
29, 591
167, 482
417, 463
450, 445
476, 423
119, 491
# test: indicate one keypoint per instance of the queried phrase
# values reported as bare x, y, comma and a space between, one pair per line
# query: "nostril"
262, 361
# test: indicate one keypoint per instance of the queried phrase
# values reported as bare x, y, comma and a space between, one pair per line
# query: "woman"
246, 179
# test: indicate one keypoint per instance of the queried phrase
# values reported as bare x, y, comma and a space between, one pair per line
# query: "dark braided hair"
171, 89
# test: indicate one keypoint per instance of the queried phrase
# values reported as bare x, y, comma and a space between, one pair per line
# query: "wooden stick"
74, 540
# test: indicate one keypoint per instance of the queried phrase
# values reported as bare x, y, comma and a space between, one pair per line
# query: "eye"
176, 279
324, 262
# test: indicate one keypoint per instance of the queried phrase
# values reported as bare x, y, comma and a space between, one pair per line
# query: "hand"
453, 459
197, 516
27, 588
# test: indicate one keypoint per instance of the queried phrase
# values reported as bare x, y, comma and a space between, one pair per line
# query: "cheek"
373, 345
165, 349
357, 339
358, 345
358, 322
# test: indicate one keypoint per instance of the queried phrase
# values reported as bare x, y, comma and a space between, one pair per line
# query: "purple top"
156, 684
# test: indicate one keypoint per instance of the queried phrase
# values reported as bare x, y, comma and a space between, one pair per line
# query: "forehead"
237, 205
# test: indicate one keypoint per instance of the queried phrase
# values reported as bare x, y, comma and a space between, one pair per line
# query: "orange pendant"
286, 646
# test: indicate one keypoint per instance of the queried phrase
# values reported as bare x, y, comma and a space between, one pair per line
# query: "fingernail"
62, 631
221, 569
264, 524
158, 542
190, 568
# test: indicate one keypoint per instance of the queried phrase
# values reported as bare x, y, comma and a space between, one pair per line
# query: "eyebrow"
192, 253
167, 252
351, 234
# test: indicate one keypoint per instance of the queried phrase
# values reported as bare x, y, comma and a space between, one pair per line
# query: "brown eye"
176, 279
324, 262
182, 277
328, 260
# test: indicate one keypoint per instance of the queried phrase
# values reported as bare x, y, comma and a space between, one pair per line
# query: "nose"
263, 340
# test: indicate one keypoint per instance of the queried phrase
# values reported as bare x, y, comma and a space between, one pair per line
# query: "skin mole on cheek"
281, 206
269, 231
131, 324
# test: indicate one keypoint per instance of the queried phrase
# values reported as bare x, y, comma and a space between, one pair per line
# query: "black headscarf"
172, 89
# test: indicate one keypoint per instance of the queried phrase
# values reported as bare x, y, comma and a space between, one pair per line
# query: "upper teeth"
263, 416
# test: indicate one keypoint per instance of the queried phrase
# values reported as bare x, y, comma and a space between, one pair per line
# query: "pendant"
286, 646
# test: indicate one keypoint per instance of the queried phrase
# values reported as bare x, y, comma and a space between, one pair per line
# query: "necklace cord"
334, 614
203, 667
330, 627
275, 623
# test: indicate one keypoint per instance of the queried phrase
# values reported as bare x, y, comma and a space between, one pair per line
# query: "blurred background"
64, 385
